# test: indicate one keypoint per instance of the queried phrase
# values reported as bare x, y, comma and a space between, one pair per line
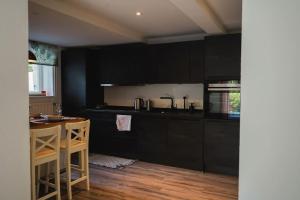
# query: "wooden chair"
45, 148
77, 141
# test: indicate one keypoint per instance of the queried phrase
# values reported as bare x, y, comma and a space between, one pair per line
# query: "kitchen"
42, 39
178, 95
188, 126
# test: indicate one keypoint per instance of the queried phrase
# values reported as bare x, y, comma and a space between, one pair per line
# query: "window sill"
40, 99
35, 96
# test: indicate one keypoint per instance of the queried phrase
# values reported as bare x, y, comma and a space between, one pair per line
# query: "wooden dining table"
38, 123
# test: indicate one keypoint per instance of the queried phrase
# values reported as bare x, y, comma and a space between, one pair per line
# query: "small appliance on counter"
192, 107
148, 105
138, 103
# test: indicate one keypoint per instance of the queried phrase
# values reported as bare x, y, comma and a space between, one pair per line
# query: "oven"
222, 99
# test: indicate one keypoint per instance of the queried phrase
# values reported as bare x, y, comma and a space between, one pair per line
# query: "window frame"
41, 81
36, 48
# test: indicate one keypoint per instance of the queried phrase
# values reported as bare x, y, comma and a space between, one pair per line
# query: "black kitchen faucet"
172, 101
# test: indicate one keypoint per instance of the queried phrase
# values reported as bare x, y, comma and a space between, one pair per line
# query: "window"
41, 80
41, 71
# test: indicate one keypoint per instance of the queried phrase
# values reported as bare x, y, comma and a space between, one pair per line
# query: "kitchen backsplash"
125, 95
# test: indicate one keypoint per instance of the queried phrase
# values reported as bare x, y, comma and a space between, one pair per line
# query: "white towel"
123, 122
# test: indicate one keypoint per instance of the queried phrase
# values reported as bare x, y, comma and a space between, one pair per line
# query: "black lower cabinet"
198, 144
221, 152
174, 142
152, 139
106, 139
185, 144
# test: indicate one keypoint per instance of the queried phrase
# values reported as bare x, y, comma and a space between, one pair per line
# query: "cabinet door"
172, 63
196, 66
222, 146
112, 65
185, 143
106, 139
123, 64
94, 93
152, 139
101, 131
223, 57
73, 81
136, 68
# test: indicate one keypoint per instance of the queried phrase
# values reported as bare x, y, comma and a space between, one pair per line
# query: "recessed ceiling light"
138, 13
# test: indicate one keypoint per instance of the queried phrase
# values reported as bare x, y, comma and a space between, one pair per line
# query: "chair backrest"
77, 132
45, 139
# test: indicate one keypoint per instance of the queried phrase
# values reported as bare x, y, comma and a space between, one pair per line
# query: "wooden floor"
155, 182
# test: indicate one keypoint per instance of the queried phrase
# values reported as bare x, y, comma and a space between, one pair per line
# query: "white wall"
125, 95
270, 122
14, 129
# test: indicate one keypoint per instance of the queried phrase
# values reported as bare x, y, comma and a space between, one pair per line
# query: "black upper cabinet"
196, 64
172, 62
73, 80
223, 57
122, 64
151, 66
94, 93
216, 58
162, 63
79, 88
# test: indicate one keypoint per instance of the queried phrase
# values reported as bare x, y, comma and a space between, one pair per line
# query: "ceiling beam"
85, 16
201, 14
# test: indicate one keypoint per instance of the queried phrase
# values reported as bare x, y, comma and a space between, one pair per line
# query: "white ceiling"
159, 18
229, 12
48, 26
101, 22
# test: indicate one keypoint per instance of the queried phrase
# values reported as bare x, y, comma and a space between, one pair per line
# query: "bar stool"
45, 149
77, 141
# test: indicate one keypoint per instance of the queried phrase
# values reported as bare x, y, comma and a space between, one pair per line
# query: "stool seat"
74, 144
45, 153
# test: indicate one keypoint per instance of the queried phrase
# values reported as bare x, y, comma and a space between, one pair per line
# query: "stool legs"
47, 177
38, 181
33, 186
69, 186
57, 179
83, 169
81, 163
35, 180
86, 168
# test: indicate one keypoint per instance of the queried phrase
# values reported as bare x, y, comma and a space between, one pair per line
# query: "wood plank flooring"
155, 182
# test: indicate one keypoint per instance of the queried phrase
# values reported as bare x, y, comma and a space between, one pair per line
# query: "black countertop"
160, 112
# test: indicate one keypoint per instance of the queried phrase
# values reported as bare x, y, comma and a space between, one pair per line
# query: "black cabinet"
152, 139
223, 57
196, 63
79, 81
221, 153
106, 139
185, 143
122, 64
73, 81
171, 141
161, 63
172, 62
215, 58
193, 143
